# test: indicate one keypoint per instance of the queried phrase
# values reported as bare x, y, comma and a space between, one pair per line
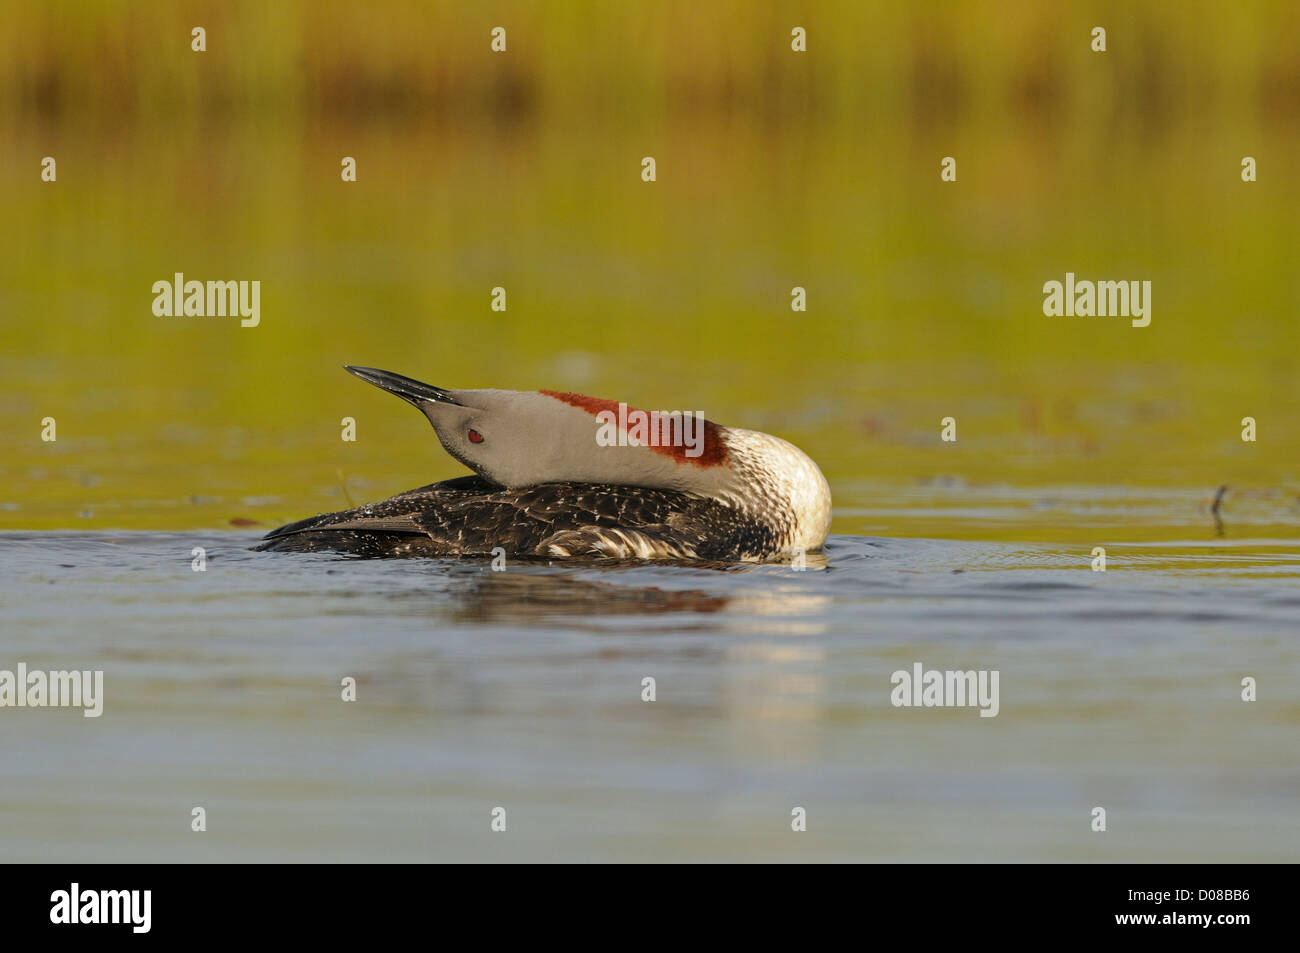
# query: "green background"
775, 169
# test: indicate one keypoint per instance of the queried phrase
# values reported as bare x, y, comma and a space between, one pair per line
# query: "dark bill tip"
404, 387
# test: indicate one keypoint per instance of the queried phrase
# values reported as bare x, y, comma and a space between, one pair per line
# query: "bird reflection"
527, 596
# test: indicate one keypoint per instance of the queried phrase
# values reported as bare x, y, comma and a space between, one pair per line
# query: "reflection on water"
524, 689
535, 598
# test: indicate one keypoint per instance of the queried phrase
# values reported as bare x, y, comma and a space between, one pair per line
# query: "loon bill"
560, 475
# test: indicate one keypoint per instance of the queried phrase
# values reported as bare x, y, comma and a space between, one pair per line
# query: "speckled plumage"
472, 517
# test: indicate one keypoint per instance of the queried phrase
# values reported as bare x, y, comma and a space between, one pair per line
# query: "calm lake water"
522, 689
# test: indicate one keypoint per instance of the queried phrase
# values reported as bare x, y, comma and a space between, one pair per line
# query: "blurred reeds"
577, 59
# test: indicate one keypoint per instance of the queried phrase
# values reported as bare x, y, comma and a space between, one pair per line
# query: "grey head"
522, 438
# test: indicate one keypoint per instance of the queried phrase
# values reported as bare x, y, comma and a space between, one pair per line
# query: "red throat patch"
714, 451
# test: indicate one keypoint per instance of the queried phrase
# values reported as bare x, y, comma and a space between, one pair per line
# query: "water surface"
522, 689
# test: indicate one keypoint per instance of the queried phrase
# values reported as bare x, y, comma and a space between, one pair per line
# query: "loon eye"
475, 437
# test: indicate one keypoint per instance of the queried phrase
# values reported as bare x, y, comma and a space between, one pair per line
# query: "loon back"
564, 475
469, 516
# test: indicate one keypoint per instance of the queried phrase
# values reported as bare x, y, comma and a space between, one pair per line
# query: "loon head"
523, 438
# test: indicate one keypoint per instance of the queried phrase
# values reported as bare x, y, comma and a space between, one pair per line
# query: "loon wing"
471, 516
616, 542
394, 515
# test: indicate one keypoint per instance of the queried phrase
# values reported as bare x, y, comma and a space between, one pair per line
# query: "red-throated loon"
550, 483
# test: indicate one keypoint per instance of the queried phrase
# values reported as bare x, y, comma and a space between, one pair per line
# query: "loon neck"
777, 484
